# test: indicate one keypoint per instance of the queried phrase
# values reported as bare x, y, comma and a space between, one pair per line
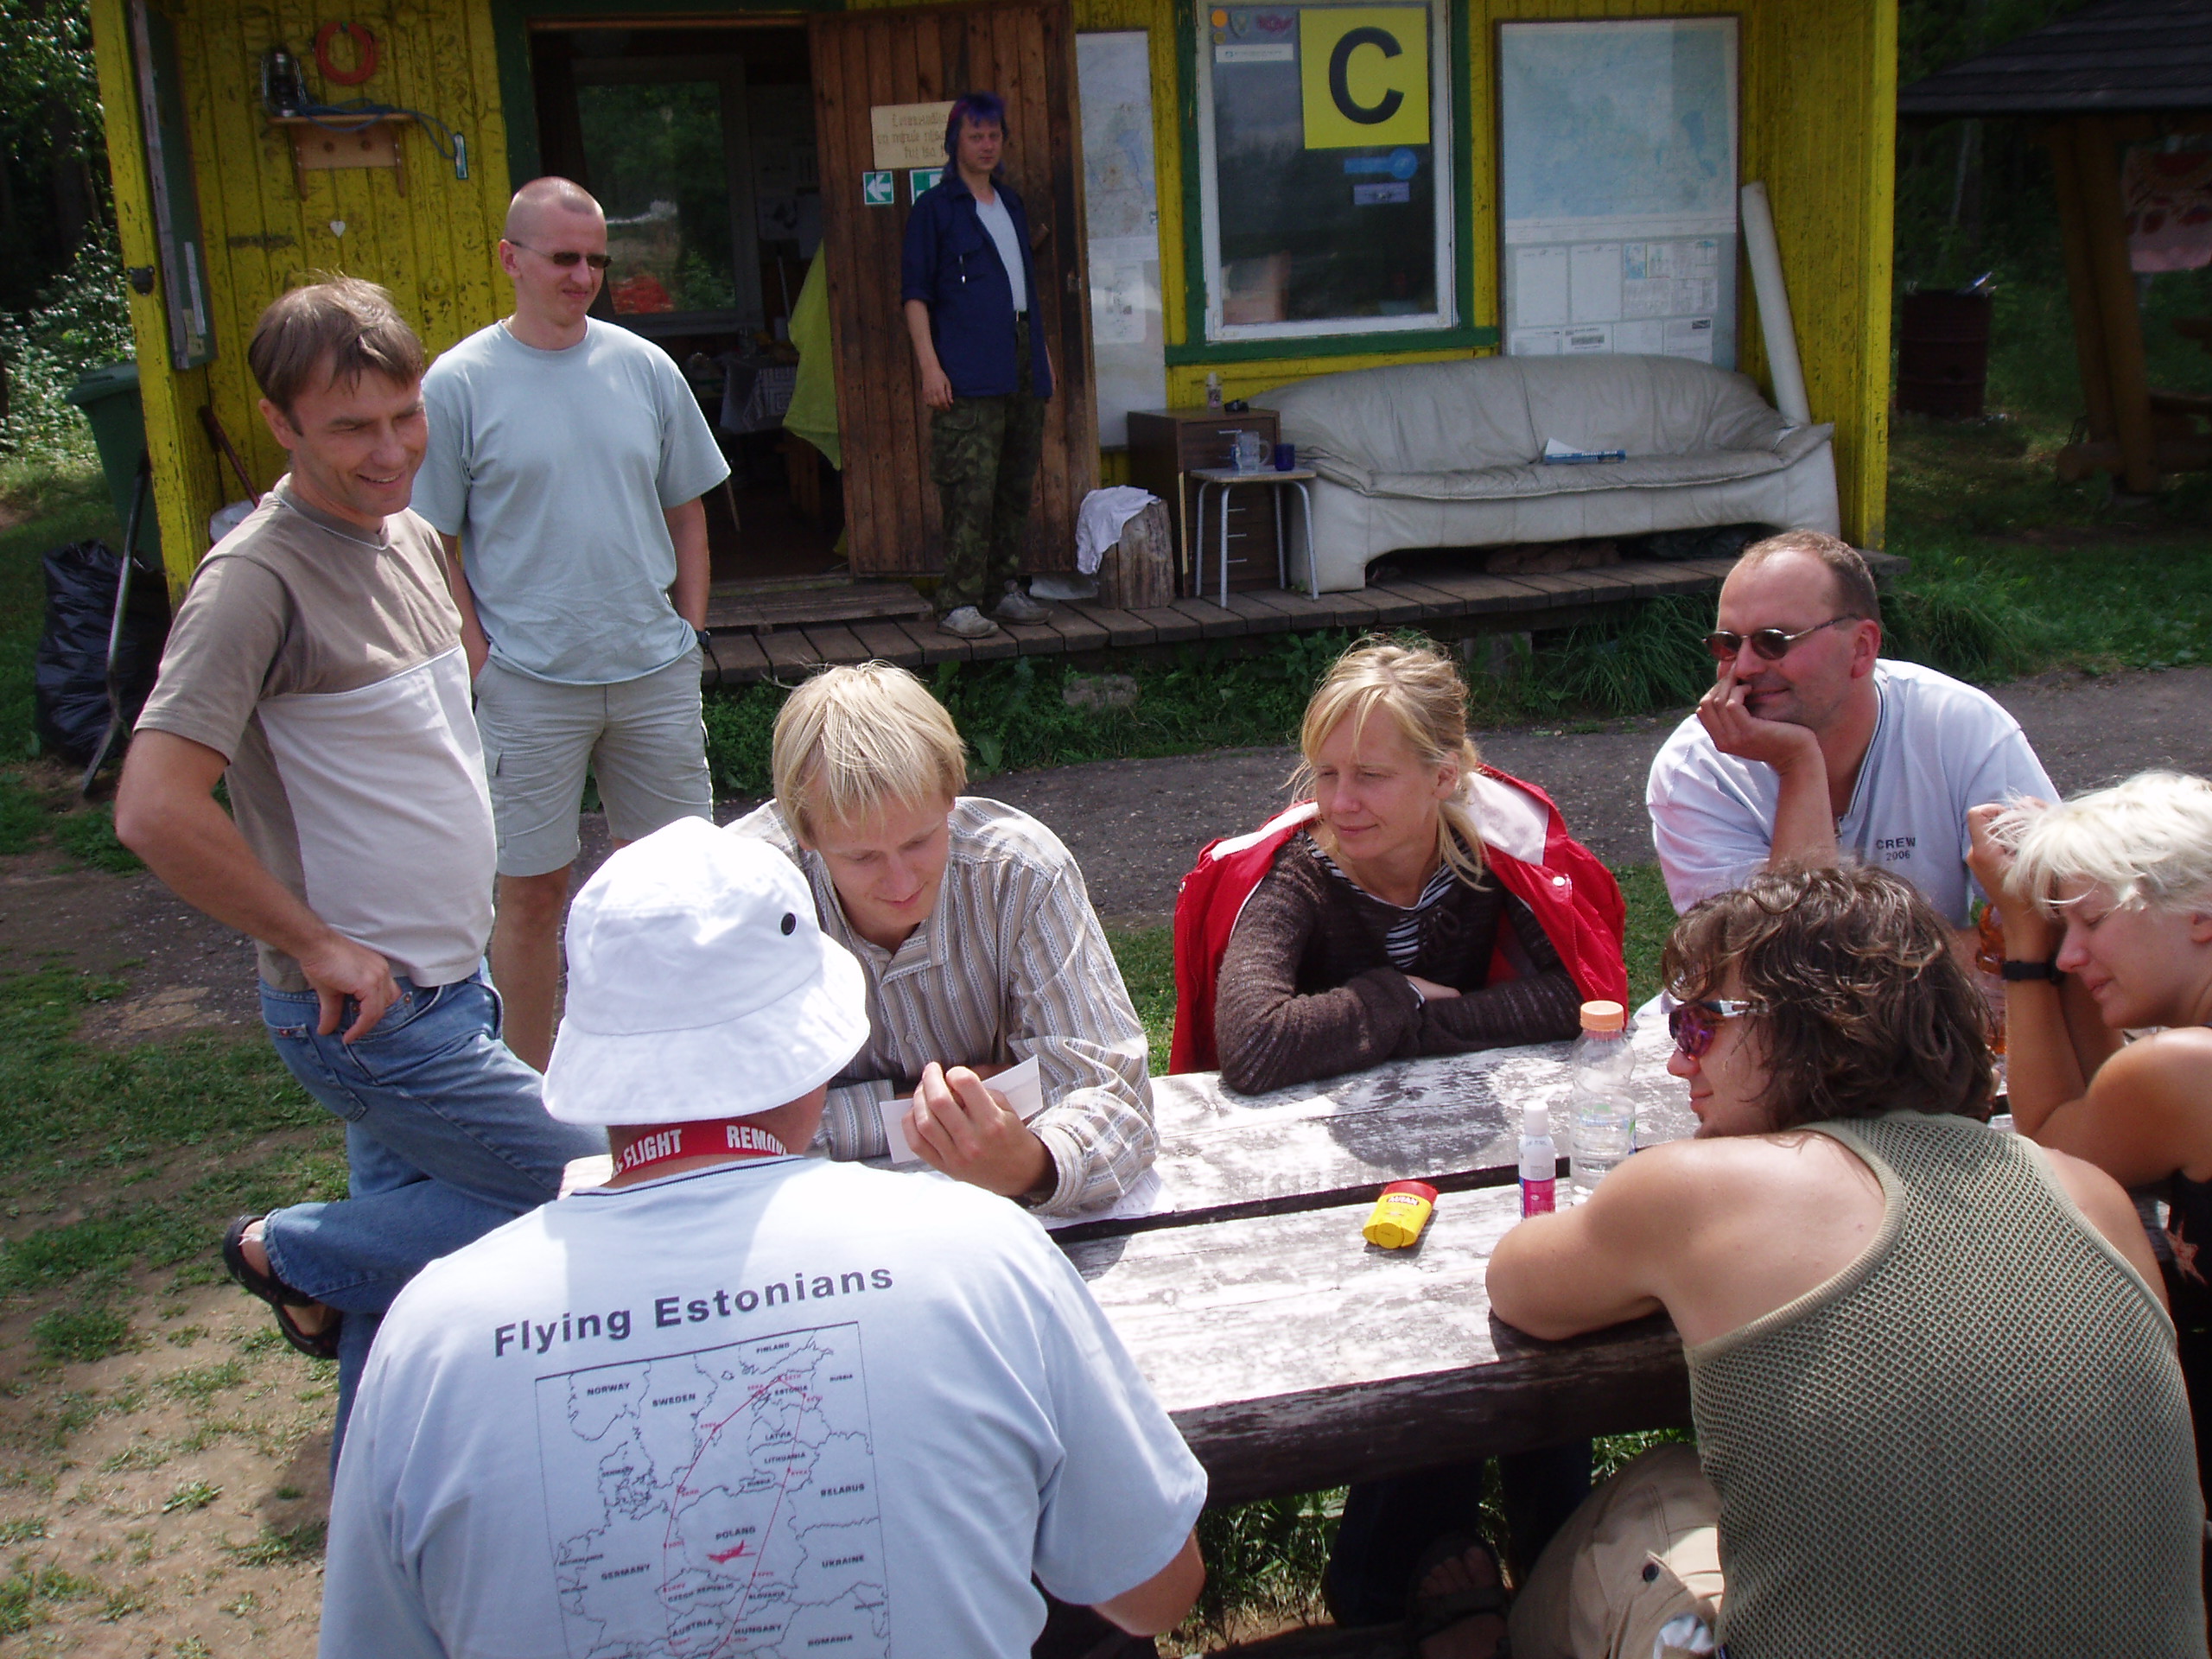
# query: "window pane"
657, 164
1315, 223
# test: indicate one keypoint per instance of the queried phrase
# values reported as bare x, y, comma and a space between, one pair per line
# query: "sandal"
1432, 1615
315, 1345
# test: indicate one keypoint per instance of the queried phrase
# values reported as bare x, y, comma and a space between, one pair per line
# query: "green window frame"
1212, 338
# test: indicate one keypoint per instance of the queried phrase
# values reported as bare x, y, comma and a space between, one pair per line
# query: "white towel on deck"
1098, 523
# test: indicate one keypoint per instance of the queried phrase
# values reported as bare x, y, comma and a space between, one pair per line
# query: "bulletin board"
1617, 187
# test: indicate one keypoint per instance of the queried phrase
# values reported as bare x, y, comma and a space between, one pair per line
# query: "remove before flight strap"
719, 1137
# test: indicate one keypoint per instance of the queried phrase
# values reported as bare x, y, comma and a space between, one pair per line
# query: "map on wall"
1617, 187
1121, 204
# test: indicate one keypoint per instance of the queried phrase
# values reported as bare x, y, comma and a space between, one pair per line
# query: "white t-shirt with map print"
778, 1408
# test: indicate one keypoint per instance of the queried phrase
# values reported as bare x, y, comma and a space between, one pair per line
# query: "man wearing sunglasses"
567, 463
1812, 748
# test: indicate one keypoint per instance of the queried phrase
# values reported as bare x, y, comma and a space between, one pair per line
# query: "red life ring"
365, 49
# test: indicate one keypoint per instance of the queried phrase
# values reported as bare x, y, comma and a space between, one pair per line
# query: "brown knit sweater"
1307, 990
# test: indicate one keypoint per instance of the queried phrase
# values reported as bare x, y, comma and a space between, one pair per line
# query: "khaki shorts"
642, 739
1643, 1552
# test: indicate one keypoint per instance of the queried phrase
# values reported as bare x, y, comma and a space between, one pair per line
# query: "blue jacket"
952, 266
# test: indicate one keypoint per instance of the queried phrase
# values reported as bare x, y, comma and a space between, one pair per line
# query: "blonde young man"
981, 948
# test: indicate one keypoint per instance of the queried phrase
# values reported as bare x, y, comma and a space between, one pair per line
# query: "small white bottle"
1214, 389
1604, 1111
1539, 1161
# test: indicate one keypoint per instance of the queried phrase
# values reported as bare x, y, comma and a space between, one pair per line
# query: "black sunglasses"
1771, 644
567, 258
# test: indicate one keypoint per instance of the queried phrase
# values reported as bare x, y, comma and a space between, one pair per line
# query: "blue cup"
1286, 457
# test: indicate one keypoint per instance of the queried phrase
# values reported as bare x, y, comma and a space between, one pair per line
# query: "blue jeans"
447, 1137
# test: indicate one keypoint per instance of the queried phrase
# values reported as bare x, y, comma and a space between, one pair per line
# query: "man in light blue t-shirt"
736, 1399
567, 463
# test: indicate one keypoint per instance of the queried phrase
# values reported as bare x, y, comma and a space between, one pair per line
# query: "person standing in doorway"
969, 283
567, 465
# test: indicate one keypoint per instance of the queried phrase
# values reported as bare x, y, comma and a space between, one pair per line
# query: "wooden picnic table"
1295, 1356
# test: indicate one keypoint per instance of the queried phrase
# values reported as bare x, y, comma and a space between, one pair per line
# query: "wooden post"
2097, 170
2081, 283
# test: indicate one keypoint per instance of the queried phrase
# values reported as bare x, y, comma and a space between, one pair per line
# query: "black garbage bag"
71, 671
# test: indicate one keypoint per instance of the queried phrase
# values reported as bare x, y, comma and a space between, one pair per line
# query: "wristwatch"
2014, 971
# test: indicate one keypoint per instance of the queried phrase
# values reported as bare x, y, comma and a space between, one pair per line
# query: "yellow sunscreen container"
1400, 1214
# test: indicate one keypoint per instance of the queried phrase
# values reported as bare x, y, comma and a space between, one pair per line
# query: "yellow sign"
909, 135
1364, 74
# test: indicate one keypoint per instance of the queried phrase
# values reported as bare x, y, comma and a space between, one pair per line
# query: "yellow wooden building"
220, 211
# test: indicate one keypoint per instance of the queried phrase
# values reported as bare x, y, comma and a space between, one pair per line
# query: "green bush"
79, 323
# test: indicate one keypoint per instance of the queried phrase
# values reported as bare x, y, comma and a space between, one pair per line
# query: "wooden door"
1023, 50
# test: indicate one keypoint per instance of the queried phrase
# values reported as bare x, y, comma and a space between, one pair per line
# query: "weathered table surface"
1453, 1120
1292, 1354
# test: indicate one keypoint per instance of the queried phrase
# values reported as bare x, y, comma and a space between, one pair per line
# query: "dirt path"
1134, 826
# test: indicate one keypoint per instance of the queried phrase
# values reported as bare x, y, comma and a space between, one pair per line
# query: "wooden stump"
1139, 573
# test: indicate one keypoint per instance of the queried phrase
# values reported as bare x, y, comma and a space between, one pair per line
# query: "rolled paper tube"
1400, 1214
1763, 254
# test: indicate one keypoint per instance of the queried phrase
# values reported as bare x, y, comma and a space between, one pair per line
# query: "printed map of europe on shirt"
719, 1502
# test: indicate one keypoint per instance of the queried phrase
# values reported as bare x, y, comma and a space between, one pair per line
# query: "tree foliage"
53, 189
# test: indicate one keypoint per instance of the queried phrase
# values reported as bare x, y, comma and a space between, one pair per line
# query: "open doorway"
699, 140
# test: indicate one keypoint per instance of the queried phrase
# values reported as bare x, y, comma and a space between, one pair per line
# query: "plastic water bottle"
1539, 1161
1604, 1111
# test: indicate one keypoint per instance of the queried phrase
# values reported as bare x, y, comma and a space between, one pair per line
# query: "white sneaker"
968, 622
1014, 606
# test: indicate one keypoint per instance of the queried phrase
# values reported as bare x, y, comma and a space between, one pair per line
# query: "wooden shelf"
323, 143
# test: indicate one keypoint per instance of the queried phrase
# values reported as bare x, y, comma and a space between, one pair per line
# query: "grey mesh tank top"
1973, 1440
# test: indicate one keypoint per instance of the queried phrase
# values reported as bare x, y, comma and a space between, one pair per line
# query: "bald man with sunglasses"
566, 472
1813, 748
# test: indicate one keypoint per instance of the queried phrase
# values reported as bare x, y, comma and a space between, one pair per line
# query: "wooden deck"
780, 636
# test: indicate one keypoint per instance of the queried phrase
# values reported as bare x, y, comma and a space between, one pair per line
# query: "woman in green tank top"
1933, 1381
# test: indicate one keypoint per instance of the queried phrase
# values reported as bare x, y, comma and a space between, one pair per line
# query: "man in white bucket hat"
736, 1399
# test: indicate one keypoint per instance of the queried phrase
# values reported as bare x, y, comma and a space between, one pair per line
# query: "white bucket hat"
699, 986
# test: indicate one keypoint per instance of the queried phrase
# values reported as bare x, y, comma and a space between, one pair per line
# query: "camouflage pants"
983, 454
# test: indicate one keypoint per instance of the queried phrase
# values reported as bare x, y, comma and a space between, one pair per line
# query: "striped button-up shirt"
1011, 963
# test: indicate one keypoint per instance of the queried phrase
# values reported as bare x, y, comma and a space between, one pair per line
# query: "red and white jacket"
1566, 886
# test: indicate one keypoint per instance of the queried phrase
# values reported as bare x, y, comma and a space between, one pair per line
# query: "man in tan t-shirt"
315, 667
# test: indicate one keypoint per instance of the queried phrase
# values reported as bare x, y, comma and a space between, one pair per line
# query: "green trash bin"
108, 396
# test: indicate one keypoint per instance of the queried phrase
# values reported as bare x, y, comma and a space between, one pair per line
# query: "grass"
81, 1334
149, 1149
